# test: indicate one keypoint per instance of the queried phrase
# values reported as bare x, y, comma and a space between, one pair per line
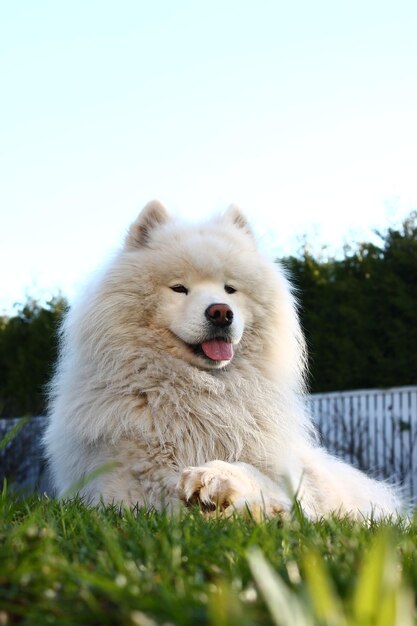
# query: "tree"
28, 350
360, 312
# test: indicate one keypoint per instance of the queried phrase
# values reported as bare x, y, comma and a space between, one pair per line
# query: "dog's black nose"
219, 314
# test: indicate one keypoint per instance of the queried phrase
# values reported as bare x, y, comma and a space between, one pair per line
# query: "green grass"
65, 563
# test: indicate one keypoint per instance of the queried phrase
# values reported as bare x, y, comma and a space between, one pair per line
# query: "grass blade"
324, 599
85, 480
284, 606
13, 432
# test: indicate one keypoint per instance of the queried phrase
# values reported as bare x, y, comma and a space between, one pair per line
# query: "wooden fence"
374, 429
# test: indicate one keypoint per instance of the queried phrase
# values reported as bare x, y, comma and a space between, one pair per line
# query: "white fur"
129, 390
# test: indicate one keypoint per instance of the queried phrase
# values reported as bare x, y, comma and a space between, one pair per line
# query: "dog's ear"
235, 216
153, 215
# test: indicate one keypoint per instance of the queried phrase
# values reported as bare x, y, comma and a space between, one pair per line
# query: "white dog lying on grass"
183, 364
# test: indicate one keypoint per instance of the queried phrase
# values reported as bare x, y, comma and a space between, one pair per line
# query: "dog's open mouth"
215, 349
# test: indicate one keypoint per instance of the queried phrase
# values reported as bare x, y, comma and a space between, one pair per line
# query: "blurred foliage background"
359, 313
28, 351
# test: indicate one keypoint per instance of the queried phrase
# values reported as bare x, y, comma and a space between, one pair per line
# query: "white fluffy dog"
183, 367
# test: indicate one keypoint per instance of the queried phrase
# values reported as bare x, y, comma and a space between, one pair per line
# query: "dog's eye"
179, 289
229, 289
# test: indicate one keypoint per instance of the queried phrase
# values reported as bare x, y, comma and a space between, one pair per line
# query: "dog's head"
206, 293
201, 294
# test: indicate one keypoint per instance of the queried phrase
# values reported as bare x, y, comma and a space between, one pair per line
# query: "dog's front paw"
211, 485
225, 488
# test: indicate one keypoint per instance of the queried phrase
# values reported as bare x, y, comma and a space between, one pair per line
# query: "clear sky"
304, 113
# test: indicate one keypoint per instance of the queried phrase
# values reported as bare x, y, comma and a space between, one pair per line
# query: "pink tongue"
218, 350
